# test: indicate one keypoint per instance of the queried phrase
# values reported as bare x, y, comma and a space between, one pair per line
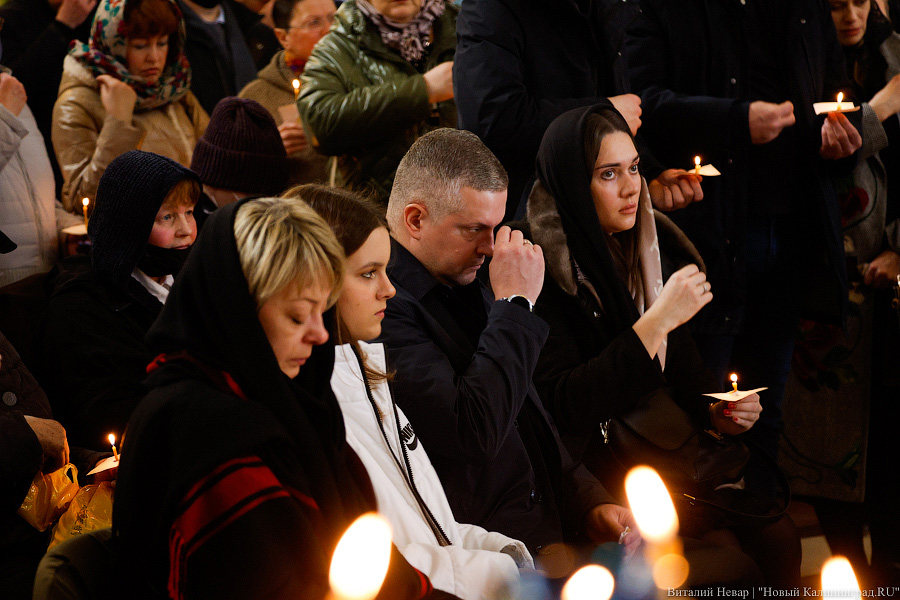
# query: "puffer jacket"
477, 562
29, 212
273, 89
361, 101
86, 139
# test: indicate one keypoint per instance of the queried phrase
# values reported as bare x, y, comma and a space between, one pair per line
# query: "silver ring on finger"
527, 242
706, 287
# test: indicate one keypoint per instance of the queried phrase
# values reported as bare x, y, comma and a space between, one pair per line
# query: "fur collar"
547, 232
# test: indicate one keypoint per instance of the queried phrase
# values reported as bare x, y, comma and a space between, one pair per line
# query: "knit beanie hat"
129, 195
242, 149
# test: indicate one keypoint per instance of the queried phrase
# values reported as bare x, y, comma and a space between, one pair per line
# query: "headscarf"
564, 173
211, 315
411, 39
130, 192
104, 54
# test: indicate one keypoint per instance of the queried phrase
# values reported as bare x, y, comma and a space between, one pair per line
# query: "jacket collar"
406, 271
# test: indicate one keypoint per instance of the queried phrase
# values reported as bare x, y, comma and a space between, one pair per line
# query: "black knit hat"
129, 195
242, 149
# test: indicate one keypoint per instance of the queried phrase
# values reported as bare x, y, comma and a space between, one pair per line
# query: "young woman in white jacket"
462, 559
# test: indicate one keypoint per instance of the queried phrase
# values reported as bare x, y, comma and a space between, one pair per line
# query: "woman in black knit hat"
92, 355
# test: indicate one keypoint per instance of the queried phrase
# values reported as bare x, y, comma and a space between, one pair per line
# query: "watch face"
521, 301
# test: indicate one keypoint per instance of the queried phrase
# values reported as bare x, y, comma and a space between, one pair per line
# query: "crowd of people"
440, 247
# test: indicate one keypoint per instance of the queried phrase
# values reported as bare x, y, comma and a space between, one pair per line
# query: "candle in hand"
84, 206
839, 100
112, 442
734, 382
296, 84
697, 165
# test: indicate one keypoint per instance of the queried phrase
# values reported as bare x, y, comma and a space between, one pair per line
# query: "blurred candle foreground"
658, 523
838, 579
360, 561
592, 582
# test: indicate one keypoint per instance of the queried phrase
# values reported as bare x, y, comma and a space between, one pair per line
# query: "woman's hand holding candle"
737, 417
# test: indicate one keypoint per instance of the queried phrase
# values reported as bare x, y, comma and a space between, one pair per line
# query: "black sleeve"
21, 457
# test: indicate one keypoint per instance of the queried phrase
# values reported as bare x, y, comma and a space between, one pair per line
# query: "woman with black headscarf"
235, 480
617, 332
92, 351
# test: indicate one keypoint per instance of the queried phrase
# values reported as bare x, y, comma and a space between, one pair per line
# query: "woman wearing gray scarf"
376, 82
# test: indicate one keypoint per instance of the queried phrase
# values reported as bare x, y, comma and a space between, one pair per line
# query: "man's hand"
53, 441
73, 13
883, 271
734, 418
767, 120
840, 138
517, 267
292, 137
118, 98
439, 82
607, 522
12, 94
629, 105
675, 188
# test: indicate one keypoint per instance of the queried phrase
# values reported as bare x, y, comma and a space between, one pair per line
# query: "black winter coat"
688, 60
492, 443
93, 354
521, 63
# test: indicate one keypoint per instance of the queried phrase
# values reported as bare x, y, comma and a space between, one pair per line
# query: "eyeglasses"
314, 24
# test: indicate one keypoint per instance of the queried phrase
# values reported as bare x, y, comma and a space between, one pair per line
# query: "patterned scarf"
104, 54
411, 39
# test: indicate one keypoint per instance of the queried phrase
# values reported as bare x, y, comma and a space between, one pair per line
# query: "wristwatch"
519, 300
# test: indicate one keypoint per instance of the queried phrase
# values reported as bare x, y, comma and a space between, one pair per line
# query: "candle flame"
593, 581
734, 378
840, 99
85, 201
112, 439
838, 579
360, 561
651, 504
296, 84
697, 160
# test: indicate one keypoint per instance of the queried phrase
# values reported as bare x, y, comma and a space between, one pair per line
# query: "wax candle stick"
296, 84
697, 165
734, 382
112, 442
839, 100
84, 206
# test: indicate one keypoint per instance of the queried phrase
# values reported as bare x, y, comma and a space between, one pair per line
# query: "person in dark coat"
35, 40
221, 36
31, 442
617, 311
520, 64
93, 354
236, 480
464, 361
735, 84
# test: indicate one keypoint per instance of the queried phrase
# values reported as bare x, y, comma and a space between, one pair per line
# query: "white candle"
112, 442
296, 84
734, 383
361, 558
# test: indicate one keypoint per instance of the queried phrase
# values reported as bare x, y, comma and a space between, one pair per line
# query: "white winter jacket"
478, 562
28, 206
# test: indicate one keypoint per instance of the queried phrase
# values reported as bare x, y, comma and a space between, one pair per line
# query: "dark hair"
622, 245
148, 18
282, 11
353, 218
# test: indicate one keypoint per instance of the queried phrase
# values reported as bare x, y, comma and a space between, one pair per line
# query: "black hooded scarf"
217, 395
564, 173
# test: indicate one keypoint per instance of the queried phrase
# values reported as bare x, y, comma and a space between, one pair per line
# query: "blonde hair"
284, 242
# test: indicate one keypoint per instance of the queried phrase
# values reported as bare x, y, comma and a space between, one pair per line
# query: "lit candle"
112, 442
734, 383
360, 560
838, 579
592, 582
84, 206
697, 165
658, 523
840, 99
296, 84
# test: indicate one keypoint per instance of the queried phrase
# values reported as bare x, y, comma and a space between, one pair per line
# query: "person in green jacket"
381, 78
